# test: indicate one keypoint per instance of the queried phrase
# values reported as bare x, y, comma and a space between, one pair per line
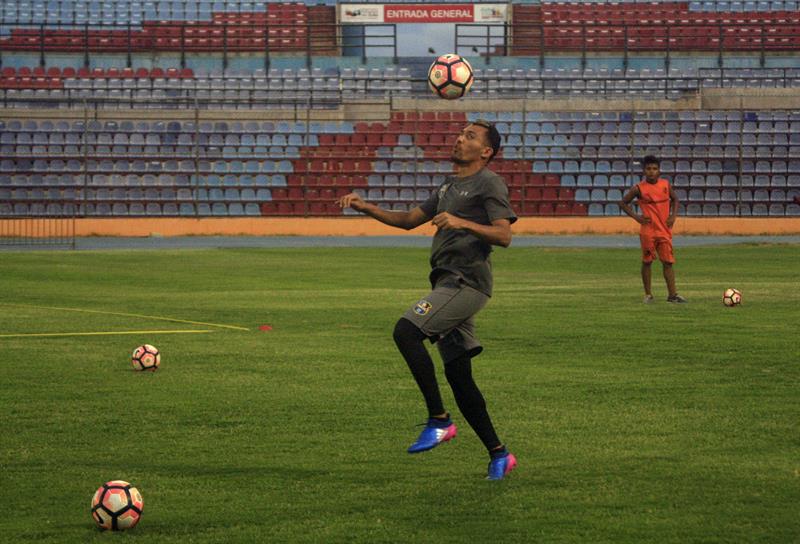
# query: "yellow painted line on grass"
103, 333
159, 318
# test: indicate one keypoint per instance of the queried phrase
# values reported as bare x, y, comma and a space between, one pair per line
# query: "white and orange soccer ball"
146, 357
450, 76
732, 297
117, 506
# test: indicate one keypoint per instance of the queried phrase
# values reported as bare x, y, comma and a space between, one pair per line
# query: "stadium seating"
157, 87
80, 26
655, 26
554, 163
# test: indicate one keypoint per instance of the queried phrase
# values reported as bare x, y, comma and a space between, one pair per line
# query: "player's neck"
466, 170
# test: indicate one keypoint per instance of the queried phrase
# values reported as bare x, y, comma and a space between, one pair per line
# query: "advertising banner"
423, 13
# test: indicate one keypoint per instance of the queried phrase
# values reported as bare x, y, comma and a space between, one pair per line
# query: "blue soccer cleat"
500, 466
434, 433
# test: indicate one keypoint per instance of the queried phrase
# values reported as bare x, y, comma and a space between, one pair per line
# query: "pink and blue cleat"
434, 433
501, 465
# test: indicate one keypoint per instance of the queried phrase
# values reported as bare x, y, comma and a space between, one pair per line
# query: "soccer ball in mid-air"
146, 357
732, 297
450, 76
117, 506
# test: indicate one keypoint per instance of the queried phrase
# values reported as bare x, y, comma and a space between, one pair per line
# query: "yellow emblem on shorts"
422, 307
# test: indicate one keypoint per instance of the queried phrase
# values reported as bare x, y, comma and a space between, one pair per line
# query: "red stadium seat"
562, 208
549, 194
546, 209
579, 208
268, 208
533, 193
317, 208
285, 208
552, 179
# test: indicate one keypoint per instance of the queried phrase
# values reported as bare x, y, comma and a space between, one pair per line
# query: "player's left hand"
670, 221
447, 221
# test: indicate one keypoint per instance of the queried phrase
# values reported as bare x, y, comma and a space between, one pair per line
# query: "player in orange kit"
659, 206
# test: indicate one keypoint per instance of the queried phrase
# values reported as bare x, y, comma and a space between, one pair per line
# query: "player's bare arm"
632, 193
404, 220
673, 208
497, 234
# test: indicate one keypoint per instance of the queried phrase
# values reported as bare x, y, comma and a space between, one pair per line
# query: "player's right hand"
643, 219
352, 200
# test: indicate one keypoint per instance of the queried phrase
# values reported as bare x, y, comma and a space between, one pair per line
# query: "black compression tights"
409, 341
470, 401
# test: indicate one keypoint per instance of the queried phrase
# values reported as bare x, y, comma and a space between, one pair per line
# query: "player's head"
652, 167
478, 141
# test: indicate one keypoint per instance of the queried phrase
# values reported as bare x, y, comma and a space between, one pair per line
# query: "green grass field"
631, 423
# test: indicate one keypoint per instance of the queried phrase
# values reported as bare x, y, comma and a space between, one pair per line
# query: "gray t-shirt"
480, 198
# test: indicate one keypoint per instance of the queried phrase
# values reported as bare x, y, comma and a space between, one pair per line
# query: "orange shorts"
656, 245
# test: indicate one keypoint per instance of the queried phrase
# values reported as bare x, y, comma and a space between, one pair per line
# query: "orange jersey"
655, 203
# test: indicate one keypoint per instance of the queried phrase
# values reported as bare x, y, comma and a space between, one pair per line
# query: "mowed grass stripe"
98, 333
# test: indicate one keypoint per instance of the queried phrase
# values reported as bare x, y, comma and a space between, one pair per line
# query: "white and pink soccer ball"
117, 506
732, 297
450, 76
146, 357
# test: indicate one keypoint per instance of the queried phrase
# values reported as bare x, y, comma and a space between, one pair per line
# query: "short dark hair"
651, 159
492, 135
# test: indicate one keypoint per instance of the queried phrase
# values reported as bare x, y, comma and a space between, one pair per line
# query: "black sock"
409, 341
470, 400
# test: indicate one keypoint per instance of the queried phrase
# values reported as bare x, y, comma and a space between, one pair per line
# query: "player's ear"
486, 153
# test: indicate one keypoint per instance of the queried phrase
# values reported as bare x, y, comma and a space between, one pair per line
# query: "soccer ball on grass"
117, 506
732, 297
146, 357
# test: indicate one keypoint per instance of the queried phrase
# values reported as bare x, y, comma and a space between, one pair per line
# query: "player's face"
651, 172
471, 145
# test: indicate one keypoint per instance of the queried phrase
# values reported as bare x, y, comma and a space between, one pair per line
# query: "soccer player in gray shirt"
472, 213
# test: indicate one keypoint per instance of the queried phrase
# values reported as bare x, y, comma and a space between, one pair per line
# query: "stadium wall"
363, 226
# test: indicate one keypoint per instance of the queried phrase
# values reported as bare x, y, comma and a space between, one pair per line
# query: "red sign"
428, 13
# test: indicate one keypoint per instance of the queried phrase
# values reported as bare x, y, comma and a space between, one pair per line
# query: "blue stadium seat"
598, 195
582, 195
596, 209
